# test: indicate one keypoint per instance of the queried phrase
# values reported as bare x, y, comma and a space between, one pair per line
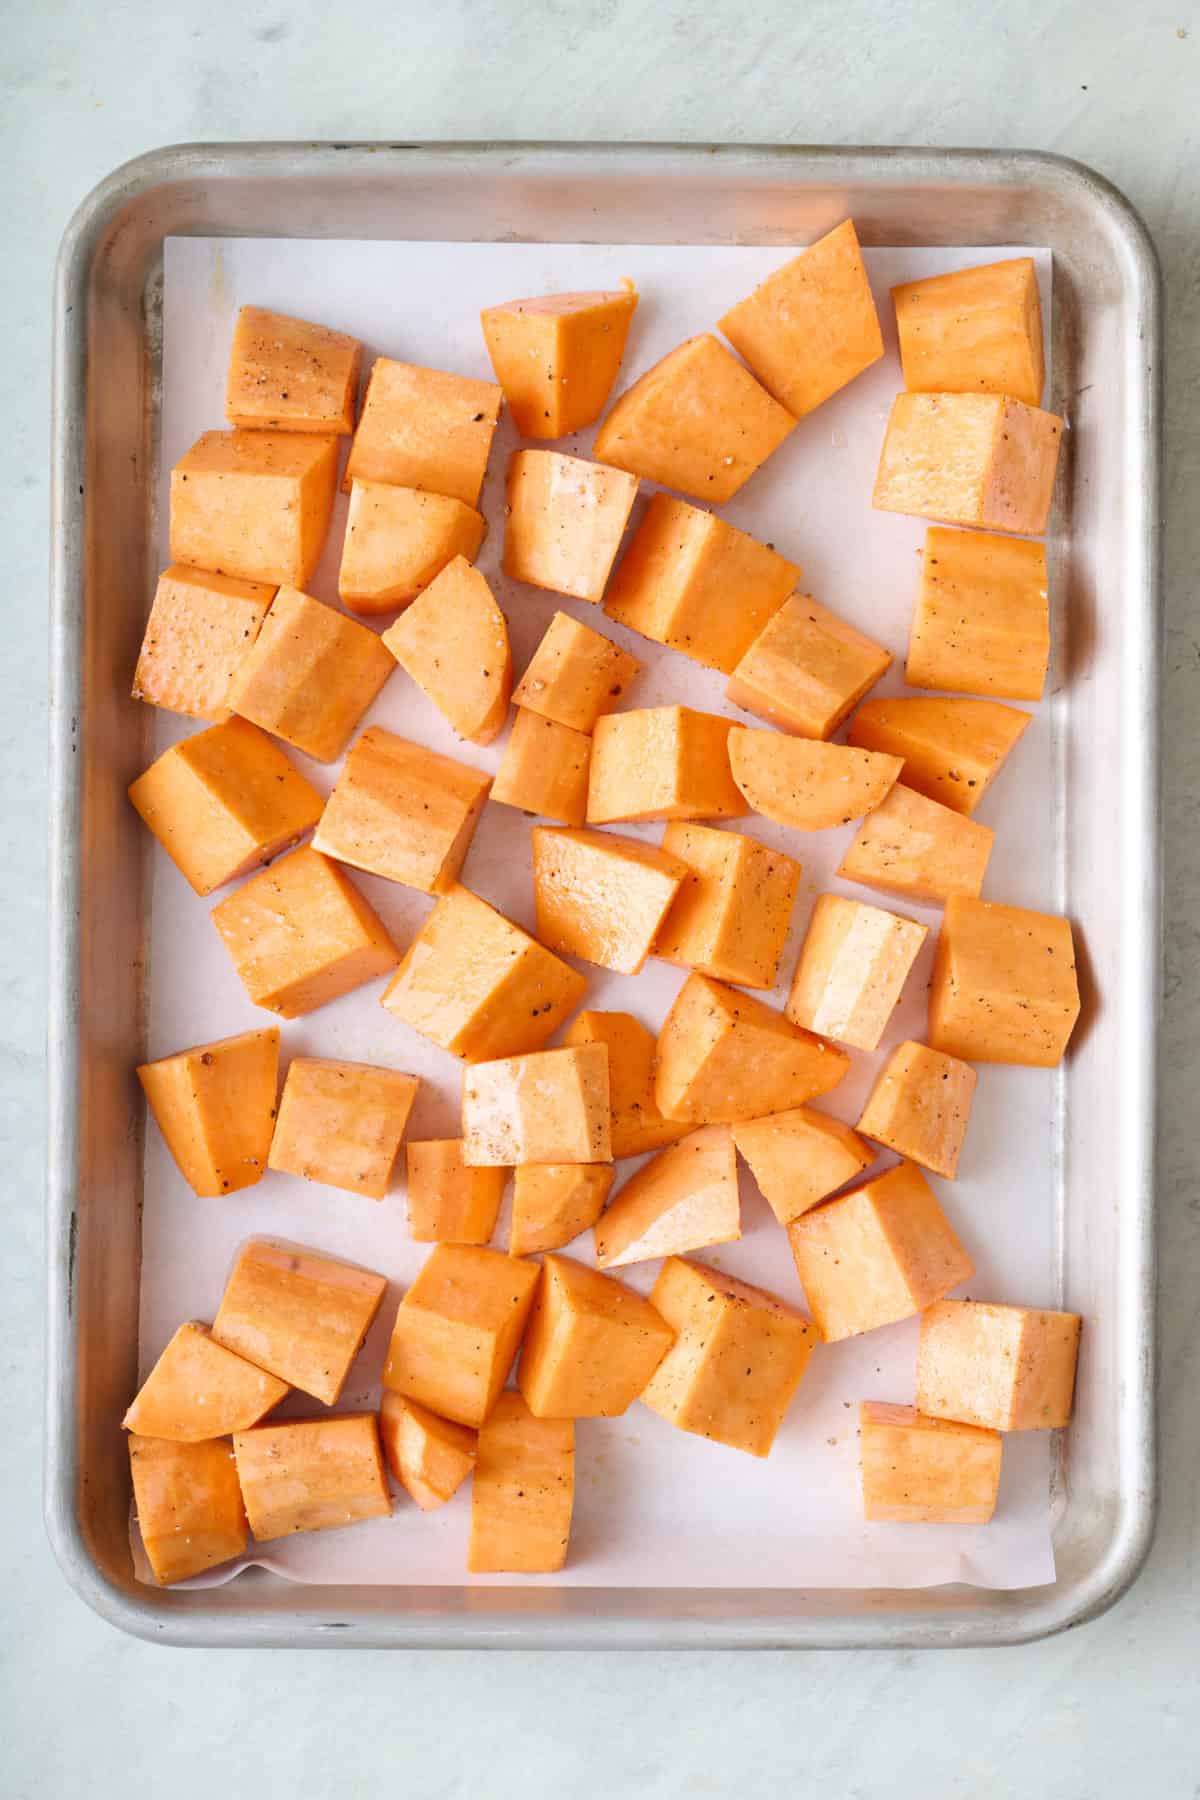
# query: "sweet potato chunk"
215, 1105
811, 326
730, 917
255, 504
685, 1198
544, 769
453, 641
953, 749
920, 1105
575, 675
557, 356
981, 622
310, 676
423, 428
565, 521
723, 1056
915, 1468
1004, 986
591, 1347
973, 331
188, 1503
919, 848
300, 935
637, 1124
298, 1314
547, 1107
853, 964
737, 1360
198, 1390
428, 1456
341, 1123
881, 1252
223, 802
398, 540
523, 1492
799, 1157
600, 896
695, 583
403, 811
661, 762
288, 375
448, 1203
1010, 1368
969, 459
199, 632
806, 670
457, 1330
479, 986
554, 1202
806, 784
697, 421
311, 1475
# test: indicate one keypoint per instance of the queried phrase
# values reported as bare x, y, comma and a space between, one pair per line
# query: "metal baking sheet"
1101, 796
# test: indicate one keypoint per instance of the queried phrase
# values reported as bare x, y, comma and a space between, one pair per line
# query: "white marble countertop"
1110, 1709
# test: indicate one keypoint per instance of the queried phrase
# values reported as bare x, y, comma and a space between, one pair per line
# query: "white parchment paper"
654, 1507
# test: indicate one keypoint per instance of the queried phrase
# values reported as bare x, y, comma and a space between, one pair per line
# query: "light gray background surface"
1112, 1709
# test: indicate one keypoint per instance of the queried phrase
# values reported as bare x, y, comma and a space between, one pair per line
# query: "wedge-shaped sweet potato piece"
188, 1504
523, 1492
575, 675
730, 917
853, 965
969, 459
547, 1107
424, 428
199, 632
806, 670
809, 785
685, 1198
215, 1105
737, 1360
600, 896
591, 1346
981, 622
556, 356
637, 1124
554, 1202
341, 1123
919, 848
544, 769
1007, 1368
298, 1314
800, 1157
398, 540
953, 749
915, 1468
428, 1456
661, 762
457, 1330
453, 641
289, 375
312, 1475
973, 331
920, 1106
724, 1056
479, 986
254, 504
564, 522
1004, 985
449, 1203
198, 1389
697, 421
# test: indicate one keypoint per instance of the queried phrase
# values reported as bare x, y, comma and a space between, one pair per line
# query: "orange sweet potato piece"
915, 1468
1008, 1368
554, 1202
806, 670
550, 1106
288, 375
215, 1105
637, 1124
800, 1157
200, 630
730, 917
724, 1056
453, 641
188, 1503
661, 762
600, 896
544, 769
953, 749
565, 521
254, 504
311, 1475
684, 1198
298, 1314
341, 1123
556, 357
457, 1330
428, 1456
523, 1492
591, 1346
398, 540
969, 459
920, 1105
807, 784
853, 964
981, 622
973, 331
811, 326
1004, 985
575, 675
424, 428
697, 421
198, 1390
449, 1203
919, 848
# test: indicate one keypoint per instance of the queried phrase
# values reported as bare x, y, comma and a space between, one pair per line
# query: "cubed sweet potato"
457, 1330
637, 1124
969, 459
1004, 985
920, 1106
311, 1475
661, 762
918, 1469
853, 964
564, 521
215, 1106
724, 1056
591, 1346
398, 540
973, 331
554, 1202
449, 1203
255, 504
918, 848
1010, 1368
684, 1198
547, 1107
556, 356
981, 623
198, 1390
289, 375
800, 1157
341, 1123
199, 632
544, 769
298, 1314
600, 896
522, 1493
806, 669
424, 428
730, 917
575, 675
453, 641
188, 1503
809, 785
953, 749
428, 1456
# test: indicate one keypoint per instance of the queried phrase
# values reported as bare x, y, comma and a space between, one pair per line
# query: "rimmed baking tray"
1106, 546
